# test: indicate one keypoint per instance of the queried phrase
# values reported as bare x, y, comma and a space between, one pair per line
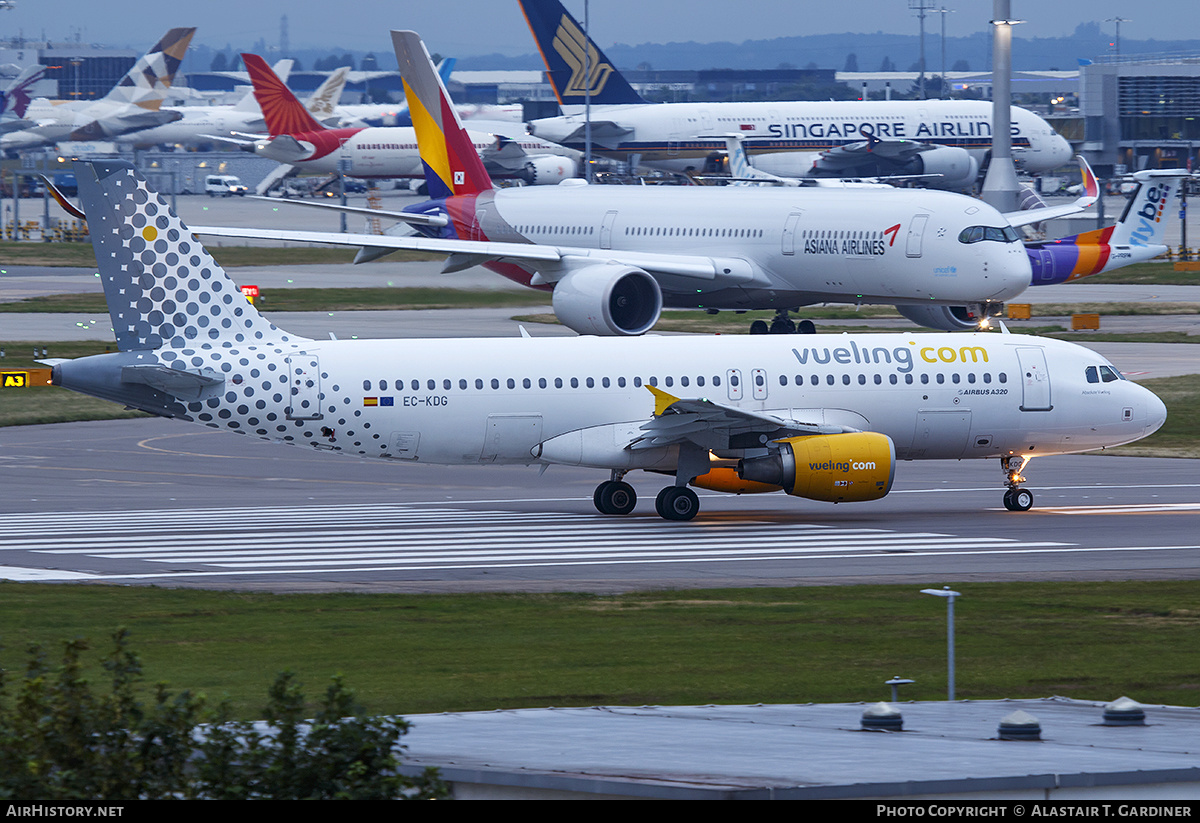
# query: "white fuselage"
679, 136
494, 401
391, 151
198, 125
777, 247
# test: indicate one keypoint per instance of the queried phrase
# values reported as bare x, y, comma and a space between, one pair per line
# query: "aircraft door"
916, 233
758, 384
304, 377
1043, 267
733, 383
790, 227
606, 230
1035, 380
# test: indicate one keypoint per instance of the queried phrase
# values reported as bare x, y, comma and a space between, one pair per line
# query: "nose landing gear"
1016, 499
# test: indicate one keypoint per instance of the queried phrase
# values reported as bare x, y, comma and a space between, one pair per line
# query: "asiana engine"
608, 299
837, 468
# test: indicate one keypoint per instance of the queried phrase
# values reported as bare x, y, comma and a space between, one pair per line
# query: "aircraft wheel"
598, 497
677, 503
782, 325
759, 327
1018, 500
616, 497
806, 327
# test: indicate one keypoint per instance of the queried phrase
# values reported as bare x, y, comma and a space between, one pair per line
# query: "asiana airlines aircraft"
616, 255
823, 417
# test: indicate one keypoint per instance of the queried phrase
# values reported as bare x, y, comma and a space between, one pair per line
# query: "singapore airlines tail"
575, 66
283, 113
452, 165
1138, 236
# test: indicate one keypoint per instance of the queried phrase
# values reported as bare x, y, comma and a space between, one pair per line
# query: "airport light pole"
943, 11
587, 92
1117, 40
1001, 190
949, 595
920, 7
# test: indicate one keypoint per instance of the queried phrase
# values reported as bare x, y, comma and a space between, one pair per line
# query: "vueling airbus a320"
824, 417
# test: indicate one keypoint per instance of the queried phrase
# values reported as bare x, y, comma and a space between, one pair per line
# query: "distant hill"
826, 51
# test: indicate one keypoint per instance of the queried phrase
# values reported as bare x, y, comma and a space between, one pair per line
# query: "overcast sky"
472, 27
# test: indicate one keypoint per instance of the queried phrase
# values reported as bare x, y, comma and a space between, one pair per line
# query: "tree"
218, 62
851, 62
887, 65
61, 740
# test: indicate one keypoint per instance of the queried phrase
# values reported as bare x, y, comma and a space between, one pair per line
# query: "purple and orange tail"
282, 111
452, 165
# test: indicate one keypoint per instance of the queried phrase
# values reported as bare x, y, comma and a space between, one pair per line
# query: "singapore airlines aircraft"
821, 417
615, 255
296, 138
947, 138
133, 104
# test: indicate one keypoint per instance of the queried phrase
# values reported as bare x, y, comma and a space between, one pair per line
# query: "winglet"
662, 400
452, 165
282, 111
61, 199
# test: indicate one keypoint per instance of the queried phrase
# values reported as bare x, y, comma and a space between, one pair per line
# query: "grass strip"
430, 653
284, 300
15, 253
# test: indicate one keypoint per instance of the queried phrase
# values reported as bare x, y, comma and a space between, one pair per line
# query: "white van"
225, 185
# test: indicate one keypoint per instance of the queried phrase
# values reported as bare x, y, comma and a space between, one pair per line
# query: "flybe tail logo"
1150, 215
573, 47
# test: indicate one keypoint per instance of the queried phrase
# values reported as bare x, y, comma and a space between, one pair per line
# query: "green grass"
282, 300
80, 254
429, 653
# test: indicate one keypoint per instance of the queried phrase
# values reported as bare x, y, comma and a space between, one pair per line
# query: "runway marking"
424, 538
374, 538
1124, 508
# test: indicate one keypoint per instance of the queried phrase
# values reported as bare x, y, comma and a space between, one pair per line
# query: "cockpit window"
976, 234
1103, 374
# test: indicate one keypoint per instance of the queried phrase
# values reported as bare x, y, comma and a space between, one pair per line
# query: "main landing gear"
1016, 499
615, 496
782, 324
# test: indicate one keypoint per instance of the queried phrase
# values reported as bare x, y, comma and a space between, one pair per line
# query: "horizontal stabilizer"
186, 385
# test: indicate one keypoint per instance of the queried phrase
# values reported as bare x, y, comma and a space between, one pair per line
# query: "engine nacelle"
549, 170
608, 299
832, 467
950, 318
958, 169
726, 479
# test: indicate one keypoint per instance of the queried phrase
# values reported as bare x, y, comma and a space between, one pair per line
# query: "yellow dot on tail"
149, 233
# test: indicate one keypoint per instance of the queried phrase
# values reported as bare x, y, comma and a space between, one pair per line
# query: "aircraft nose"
1156, 412
1015, 277
1061, 150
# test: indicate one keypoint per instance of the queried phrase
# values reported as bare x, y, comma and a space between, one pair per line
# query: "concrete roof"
810, 751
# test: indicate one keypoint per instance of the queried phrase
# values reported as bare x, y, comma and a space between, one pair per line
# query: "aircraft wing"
475, 252
713, 425
130, 121
1091, 191
403, 216
15, 125
604, 132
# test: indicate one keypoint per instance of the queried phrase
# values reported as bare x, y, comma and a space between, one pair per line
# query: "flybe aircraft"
296, 138
615, 255
948, 139
133, 104
821, 417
